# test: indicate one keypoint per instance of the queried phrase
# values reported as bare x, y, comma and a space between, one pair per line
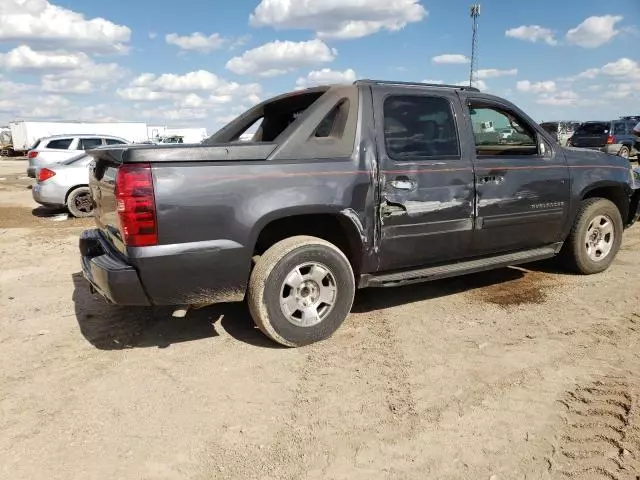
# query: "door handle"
403, 183
493, 179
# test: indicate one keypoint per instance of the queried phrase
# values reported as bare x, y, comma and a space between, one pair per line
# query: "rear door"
426, 177
522, 183
591, 135
56, 150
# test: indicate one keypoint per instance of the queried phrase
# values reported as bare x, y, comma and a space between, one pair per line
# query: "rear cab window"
419, 127
60, 143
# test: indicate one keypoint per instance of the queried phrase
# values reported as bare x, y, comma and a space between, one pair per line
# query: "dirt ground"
521, 373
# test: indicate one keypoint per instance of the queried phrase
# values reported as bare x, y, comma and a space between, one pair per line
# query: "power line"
473, 70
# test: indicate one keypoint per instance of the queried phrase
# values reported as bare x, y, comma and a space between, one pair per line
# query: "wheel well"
614, 194
331, 228
75, 187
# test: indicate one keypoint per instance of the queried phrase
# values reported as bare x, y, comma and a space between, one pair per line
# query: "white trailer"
24, 134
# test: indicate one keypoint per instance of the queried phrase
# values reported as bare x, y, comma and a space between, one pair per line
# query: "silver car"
65, 185
58, 148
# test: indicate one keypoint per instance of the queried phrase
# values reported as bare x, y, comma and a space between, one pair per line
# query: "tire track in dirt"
600, 439
353, 399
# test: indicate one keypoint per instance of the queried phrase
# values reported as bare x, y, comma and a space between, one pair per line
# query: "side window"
88, 143
333, 124
499, 132
419, 127
113, 141
619, 128
60, 144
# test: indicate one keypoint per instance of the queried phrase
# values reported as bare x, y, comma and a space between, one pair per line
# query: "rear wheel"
595, 237
624, 152
79, 202
301, 290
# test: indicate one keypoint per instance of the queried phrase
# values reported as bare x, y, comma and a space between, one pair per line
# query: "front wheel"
301, 290
595, 237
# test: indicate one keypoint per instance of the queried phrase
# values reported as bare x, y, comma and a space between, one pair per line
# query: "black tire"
266, 286
624, 152
77, 202
574, 252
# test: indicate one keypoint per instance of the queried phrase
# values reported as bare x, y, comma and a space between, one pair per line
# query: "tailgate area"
108, 274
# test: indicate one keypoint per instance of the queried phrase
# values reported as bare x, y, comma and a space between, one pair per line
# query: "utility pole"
475, 13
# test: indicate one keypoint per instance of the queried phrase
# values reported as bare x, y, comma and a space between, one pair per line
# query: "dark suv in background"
614, 137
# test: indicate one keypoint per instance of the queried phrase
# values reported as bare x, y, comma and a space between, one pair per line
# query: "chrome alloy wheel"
308, 294
599, 238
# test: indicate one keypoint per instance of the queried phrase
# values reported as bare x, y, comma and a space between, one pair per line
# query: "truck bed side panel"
209, 220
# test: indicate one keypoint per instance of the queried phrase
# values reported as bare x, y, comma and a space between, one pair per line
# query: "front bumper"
108, 273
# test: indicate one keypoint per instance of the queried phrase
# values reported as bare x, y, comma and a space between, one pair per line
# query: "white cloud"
66, 85
338, 18
450, 58
86, 79
152, 35
622, 90
188, 95
623, 68
594, 31
50, 26
494, 72
196, 41
536, 87
35, 106
532, 33
436, 82
326, 76
277, 58
563, 98
24, 58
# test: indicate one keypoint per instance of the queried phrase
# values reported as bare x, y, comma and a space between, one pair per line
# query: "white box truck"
24, 134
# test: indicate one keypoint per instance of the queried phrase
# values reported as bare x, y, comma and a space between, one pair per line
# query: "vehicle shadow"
48, 212
110, 327
372, 299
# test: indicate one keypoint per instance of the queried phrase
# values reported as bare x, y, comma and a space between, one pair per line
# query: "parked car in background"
561, 131
65, 185
614, 137
59, 148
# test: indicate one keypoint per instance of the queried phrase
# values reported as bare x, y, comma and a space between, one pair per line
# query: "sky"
197, 63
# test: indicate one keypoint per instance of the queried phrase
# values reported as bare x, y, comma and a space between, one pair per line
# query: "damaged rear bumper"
107, 274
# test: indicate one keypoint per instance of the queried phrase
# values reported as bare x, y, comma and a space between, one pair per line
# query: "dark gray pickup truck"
373, 184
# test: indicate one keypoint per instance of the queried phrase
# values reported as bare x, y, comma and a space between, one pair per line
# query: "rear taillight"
45, 174
136, 205
611, 140
32, 154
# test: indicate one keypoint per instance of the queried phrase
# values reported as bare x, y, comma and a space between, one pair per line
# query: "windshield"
593, 128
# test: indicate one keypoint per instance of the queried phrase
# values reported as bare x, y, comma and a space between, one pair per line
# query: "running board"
460, 268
